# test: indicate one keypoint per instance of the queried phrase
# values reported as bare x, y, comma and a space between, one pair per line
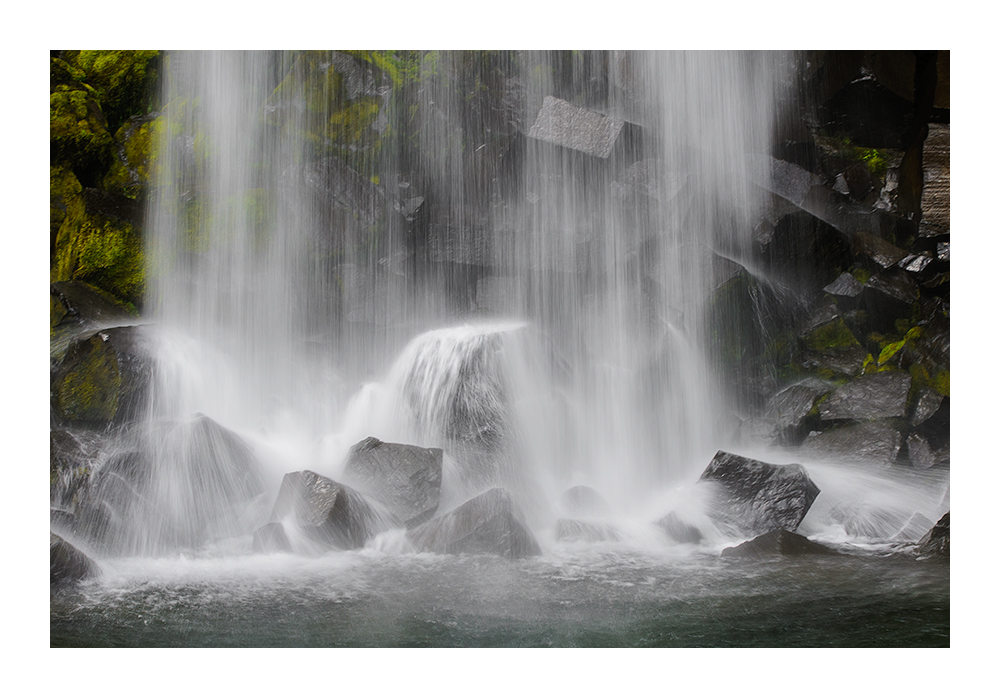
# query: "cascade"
510, 264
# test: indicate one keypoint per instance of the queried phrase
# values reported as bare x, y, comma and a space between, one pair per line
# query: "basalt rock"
103, 379
937, 541
489, 523
407, 479
66, 563
754, 497
867, 443
779, 542
872, 396
919, 453
328, 512
679, 530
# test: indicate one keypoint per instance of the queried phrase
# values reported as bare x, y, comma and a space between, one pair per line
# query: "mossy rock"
103, 379
64, 187
124, 81
78, 132
132, 162
99, 243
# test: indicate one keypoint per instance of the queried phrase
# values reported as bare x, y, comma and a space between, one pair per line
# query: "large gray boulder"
328, 512
872, 396
488, 523
754, 497
584, 501
406, 479
66, 563
867, 443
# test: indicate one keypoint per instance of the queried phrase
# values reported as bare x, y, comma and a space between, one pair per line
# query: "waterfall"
546, 258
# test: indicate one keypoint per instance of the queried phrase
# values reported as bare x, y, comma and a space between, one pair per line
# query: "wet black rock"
104, 378
271, 538
488, 523
754, 497
588, 531
937, 541
870, 443
927, 404
789, 408
584, 501
66, 563
779, 542
328, 512
920, 455
844, 285
406, 479
872, 396
679, 530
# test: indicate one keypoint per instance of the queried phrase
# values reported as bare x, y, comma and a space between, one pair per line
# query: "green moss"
78, 133
133, 160
123, 80
833, 336
64, 187
103, 252
914, 333
890, 350
874, 159
861, 274
88, 392
941, 382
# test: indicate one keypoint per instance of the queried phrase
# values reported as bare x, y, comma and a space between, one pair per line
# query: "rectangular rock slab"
569, 126
872, 396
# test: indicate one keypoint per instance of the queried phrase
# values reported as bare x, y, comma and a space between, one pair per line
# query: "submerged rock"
937, 541
406, 479
329, 512
488, 523
872, 396
870, 443
679, 530
66, 563
778, 542
755, 497
589, 531
584, 501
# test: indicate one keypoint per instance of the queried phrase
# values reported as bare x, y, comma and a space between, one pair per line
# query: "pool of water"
599, 595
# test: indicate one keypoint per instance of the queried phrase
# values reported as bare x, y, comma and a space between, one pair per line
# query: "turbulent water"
578, 359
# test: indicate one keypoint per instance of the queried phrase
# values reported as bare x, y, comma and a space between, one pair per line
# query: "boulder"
754, 497
406, 479
104, 378
844, 285
919, 452
789, 408
66, 563
488, 523
937, 541
589, 531
271, 538
778, 542
869, 443
564, 124
872, 396
329, 512
679, 530
928, 402
829, 346
584, 501
184, 485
